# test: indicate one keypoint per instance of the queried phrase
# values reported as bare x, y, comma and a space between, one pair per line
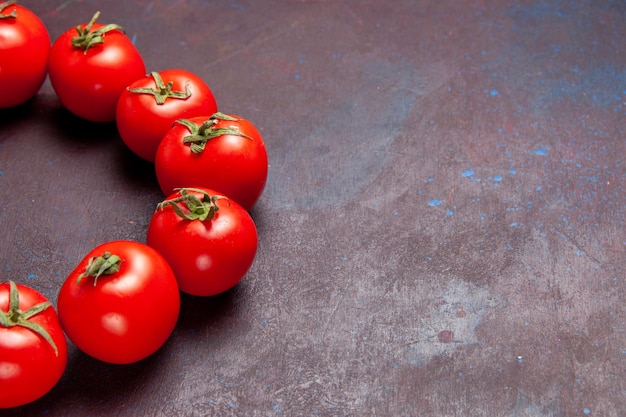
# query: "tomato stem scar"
162, 91
16, 317
6, 4
197, 209
86, 38
200, 135
106, 264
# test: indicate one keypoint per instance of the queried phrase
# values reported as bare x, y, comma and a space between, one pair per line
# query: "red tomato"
121, 303
90, 66
33, 349
24, 49
209, 240
149, 106
223, 152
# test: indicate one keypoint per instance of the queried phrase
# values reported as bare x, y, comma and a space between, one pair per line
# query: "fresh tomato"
209, 240
149, 106
121, 303
90, 66
222, 152
24, 49
33, 349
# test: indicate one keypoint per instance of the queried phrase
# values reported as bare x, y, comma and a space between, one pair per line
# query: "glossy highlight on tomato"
121, 303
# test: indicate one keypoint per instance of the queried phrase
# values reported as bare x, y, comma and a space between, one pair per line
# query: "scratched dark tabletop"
442, 231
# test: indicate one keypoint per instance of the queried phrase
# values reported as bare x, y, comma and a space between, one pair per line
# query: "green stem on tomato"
106, 264
162, 91
16, 317
200, 135
86, 38
196, 208
6, 4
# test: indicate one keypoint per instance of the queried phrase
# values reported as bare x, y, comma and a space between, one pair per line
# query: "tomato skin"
24, 50
208, 257
89, 84
29, 366
128, 315
234, 166
142, 122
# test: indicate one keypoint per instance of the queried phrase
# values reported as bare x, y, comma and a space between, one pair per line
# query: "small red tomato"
222, 152
90, 66
209, 240
24, 49
121, 303
149, 106
33, 349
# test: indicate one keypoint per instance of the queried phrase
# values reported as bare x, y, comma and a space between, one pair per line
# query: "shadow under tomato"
91, 386
75, 128
201, 312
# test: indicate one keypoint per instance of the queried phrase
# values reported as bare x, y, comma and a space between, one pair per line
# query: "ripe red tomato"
209, 240
24, 49
33, 349
90, 66
149, 106
121, 303
223, 152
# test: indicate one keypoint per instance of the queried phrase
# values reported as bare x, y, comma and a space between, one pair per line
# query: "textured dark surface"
442, 232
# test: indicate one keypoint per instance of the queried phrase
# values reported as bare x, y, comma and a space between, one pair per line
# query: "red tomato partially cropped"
89, 78
223, 152
33, 349
149, 106
210, 241
121, 303
24, 49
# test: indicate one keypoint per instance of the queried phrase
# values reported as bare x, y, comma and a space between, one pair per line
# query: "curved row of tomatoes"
201, 240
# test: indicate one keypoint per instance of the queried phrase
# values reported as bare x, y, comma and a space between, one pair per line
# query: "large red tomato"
90, 66
33, 349
223, 152
121, 303
149, 106
209, 240
24, 49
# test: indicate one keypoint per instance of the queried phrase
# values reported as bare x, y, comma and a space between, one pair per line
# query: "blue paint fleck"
494, 92
31, 276
514, 224
449, 212
1, 172
497, 178
587, 411
297, 76
512, 171
468, 173
540, 152
434, 203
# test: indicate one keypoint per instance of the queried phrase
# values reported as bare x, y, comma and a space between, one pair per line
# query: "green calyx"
16, 317
3, 6
195, 208
200, 135
86, 38
162, 91
106, 264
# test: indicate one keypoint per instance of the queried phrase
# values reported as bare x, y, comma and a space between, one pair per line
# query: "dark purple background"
442, 232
